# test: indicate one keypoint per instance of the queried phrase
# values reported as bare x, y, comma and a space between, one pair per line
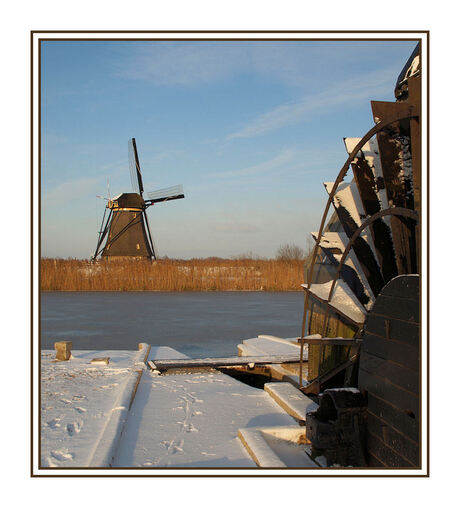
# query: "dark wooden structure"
125, 228
389, 375
362, 279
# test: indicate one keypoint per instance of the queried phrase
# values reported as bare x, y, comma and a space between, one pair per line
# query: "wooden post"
63, 350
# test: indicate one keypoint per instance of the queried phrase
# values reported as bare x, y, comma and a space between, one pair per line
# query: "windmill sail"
174, 192
126, 229
134, 167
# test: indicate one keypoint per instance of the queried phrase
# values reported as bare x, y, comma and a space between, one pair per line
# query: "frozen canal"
196, 324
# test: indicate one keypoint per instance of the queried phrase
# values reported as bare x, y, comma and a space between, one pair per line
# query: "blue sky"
251, 129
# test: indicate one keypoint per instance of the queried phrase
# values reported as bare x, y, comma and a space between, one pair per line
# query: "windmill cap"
128, 200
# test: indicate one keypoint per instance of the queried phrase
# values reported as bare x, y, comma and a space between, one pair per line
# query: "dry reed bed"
171, 275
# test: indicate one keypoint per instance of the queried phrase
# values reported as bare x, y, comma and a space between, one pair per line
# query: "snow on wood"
278, 339
267, 346
343, 299
78, 400
258, 449
292, 400
277, 447
192, 420
349, 208
347, 196
368, 174
339, 240
277, 371
245, 349
188, 420
370, 151
225, 362
164, 353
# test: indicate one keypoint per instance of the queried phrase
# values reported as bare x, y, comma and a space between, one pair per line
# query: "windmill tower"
125, 231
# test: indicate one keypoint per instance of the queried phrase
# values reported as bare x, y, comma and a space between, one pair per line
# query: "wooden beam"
184, 363
330, 341
315, 386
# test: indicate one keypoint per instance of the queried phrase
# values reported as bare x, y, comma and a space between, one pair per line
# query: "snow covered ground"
192, 420
179, 420
77, 402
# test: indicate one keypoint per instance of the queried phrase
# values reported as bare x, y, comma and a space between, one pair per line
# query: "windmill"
125, 231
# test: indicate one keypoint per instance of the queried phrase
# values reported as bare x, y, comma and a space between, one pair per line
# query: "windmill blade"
152, 243
168, 193
134, 167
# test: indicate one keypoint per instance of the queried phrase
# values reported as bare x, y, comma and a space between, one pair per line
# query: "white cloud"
355, 89
166, 63
70, 191
286, 156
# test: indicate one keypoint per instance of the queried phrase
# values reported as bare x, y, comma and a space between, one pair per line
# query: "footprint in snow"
178, 447
80, 409
62, 454
49, 462
54, 423
74, 428
108, 387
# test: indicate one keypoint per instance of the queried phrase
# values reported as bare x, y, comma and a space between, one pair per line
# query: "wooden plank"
183, 363
397, 308
337, 241
333, 245
399, 443
395, 153
385, 454
330, 341
391, 349
384, 389
350, 215
315, 385
401, 331
405, 423
375, 462
414, 85
343, 301
291, 399
398, 374
366, 174
403, 287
